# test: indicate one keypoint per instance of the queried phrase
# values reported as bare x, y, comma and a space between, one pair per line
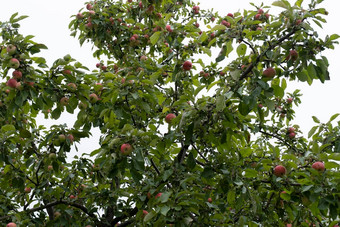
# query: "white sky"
48, 21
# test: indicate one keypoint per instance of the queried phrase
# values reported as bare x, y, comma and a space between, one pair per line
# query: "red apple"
79, 16
212, 19
279, 171
260, 11
14, 63
187, 65
140, 4
169, 117
289, 100
11, 224
72, 86
64, 101
145, 212
98, 65
267, 15
72, 197
196, 9
158, 195
258, 16
260, 106
225, 23
293, 55
70, 137
292, 135
319, 166
148, 195
67, 72
168, 28
27, 190
89, 6
209, 200
93, 98
89, 25
291, 129
12, 83
143, 58
92, 13
230, 15
269, 72
17, 74
126, 149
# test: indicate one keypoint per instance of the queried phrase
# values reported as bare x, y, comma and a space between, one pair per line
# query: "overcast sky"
48, 21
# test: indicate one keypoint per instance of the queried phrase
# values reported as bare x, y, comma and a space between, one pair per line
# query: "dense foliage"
195, 122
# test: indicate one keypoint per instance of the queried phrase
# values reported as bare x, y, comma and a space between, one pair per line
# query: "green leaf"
280, 4
231, 197
241, 50
155, 37
8, 128
164, 210
249, 173
306, 188
191, 162
149, 216
334, 36
165, 197
316, 120
218, 27
220, 103
333, 117
312, 131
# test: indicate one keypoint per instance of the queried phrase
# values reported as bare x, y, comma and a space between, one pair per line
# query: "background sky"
48, 22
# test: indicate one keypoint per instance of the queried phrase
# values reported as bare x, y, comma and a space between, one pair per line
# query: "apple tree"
195, 120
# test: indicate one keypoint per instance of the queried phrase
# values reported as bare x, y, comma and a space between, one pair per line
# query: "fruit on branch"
269, 72
17, 74
158, 195
168, 28
291, 129
126, 149
289, 100
27, 190
212, 19
209, 200
72, 86
12, 83
196, 9
143, 58
70, 137
72, 197
89, 6
293, 55
225, 23
92, 13
50, 167
319, 166
62, 138
79, 16
52, 156
89, 25
82, 106
169, 117
67, 72
93, 98
11, 224
11, 49
187, 65
292, 135
14, 63
279, 171
260, 11
64, 101
230, 15
258, 16
57, 214
145, 213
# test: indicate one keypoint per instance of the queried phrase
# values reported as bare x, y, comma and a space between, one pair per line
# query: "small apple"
140, 4
11, 224
92, 13
212, 19
11, 49
258, 16
79, 16
289, 100
209, 200
27, 190
159, 15
67, 72
292, 135
143, 58
148, 195
89, 25
93, 98
14, 63
103, 67
72, 197
269, 72
126, 149
17, 74
291, 129
187, 65
169, 117
168, 28
298, 22
319, 166
89, 6
12, 83
98, 65
158, 195
293, 55
57, 214
145, 213
64, 101
230, 15
52, 156
225, 23
279, 171
260, 11
70, 137
72, 86
196, 9
50, 168
62, 138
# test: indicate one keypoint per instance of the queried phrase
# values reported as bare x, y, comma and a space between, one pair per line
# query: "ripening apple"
14, 63
91, 12
64, 101
79, 16
269, 72
212, 19
27, 190
72, 86
82, 106
260, 11
209, 200
230, 15
12, 83
292, 135
168, 28
67, 72
70, 137
126, 149
143, 58
293, 55
289, 100
11, 224
93, 98
62, 138
196, 9
89, 25
89, 6
145, 213
225, 23
72, 197
11, 49
319, 166
291, 129
158, 195
187, 65
169, 117
279, 171
50, 167
17, 74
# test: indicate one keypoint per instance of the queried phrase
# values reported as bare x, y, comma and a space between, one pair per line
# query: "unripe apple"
187, 65
319, 166
169, 117
12, 83
269, 72
52, 156
27, 190
279, 171
126, 149
209, 200
93, 98
64, 101
14, 63
11, 224
62, 138
72, 86
57, 214
11, 49
17, 74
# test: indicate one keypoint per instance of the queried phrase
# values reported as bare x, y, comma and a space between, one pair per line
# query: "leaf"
149, 216
334, 36
220, 103
298, 3
164, 210
333, 117
312, 131
165, 197
231, 197
241, 50
281, 4
191, 162
8, 128
316, 120
249, 173
155, 37
218, 27
306, 188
